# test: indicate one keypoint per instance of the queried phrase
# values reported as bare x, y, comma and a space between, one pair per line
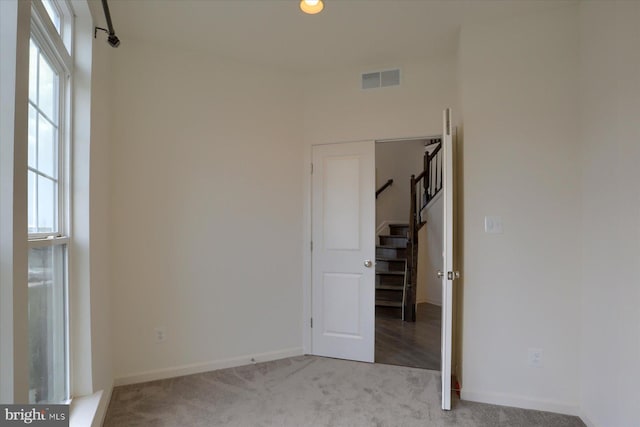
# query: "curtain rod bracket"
112, 39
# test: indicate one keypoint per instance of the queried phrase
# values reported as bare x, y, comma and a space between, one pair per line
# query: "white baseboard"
520, 402
430, 301
196, 368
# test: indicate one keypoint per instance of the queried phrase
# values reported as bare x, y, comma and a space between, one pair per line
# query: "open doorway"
344, 255
409, 247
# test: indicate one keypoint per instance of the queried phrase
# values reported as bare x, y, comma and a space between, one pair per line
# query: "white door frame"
306, 262
448, 267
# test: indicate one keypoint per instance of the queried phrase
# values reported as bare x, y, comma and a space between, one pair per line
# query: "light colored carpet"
310, 391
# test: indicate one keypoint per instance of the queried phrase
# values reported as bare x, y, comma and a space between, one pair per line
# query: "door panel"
343, 238
341, 304
341, 189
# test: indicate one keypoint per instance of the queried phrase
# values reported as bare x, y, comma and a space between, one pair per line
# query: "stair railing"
432, 181
424, 188
384, 187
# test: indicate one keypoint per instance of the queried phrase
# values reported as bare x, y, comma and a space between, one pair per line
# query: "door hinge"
311, 168
448, 125
452, 275
312, 246
312, 322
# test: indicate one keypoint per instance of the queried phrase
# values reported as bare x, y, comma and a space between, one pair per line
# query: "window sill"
84, 409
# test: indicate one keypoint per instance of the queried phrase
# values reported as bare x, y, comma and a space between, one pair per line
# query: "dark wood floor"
415, 344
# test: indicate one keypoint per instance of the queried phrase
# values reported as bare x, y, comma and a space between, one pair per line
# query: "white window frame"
51, 43
58, 49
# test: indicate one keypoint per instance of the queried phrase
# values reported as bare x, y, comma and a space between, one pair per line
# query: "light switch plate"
493, 224
534, 356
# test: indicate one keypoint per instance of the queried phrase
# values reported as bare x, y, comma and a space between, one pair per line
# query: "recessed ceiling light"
311, 6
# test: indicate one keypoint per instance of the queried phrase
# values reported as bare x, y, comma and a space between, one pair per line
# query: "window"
53, 13
48, 219
44, 135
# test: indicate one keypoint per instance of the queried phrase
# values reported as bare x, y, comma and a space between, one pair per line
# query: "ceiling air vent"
378, 79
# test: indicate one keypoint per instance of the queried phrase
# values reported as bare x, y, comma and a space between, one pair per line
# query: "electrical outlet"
160, 335
493, 224
535, 357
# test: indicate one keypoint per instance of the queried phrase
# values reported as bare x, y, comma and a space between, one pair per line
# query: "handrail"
384, 187
432, 155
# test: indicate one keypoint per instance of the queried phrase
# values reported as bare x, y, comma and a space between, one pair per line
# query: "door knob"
368, 263
440, 274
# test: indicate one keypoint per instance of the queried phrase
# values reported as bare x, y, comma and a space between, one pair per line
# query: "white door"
343, 245
447, 258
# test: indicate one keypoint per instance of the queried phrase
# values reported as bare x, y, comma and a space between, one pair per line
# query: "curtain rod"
112, 39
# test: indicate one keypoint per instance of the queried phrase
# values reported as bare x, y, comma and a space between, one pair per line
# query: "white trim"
46, 33
408, 139
53, 241
446, 340
523, 402
101, 411
213, 365
430, 301
15, 17
89, 410
82, 410
306, 258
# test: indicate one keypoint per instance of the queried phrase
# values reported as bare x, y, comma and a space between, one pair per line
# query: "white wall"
430, 253
398, 161
521, 162
206, 212
337, 110
610, 107
102, 315
207, 200
89, 268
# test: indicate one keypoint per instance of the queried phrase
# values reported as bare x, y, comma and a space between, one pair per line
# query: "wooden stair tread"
390, 273
390, 247
389, 287
385, 303
390, 259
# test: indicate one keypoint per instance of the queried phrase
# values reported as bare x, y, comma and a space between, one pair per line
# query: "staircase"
397, 252
391, 268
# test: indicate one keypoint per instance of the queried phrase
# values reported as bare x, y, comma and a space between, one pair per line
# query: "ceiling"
276, 33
